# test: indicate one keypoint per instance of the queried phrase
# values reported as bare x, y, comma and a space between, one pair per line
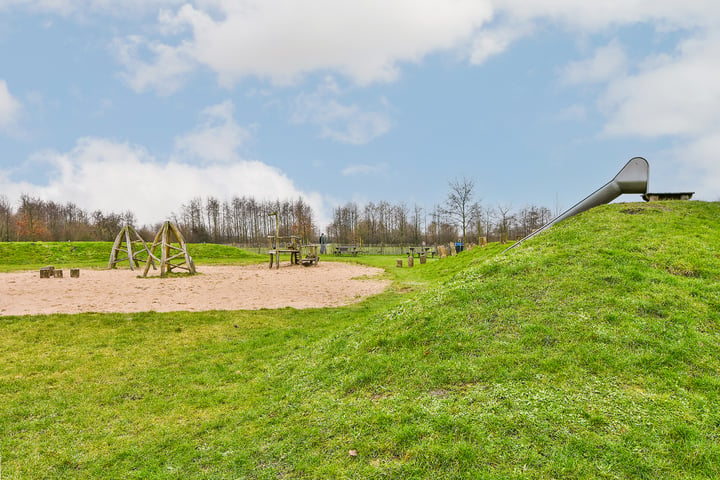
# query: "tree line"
384, 223
35, 219
245, 221
460, 217
240, 220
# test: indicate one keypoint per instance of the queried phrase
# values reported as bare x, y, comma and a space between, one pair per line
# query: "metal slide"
633, 178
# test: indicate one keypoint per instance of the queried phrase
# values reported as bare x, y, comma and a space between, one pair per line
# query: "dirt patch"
634, 211
645, 208
250, 287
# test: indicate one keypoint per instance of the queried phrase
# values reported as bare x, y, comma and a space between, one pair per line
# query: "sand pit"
251, 287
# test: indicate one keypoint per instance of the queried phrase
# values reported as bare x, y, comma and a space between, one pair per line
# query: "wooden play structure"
278, 245
299, 254
173, 251
131, 244
310, 255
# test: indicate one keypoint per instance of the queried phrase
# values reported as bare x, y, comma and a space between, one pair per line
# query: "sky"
141, 105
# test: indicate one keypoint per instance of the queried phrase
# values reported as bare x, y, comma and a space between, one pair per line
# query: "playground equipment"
292, 245
134, 247
278, 245
173, 251
632, 178
310, 255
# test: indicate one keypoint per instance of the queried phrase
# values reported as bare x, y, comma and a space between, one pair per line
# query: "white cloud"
698, 168
597, 16
217, 139
83, 8
494, 41
608, 63
9, 107
344, 123
284, 39
673, 95
364, 169
99, 174
688, 166
670, 94
369, 41
166, 74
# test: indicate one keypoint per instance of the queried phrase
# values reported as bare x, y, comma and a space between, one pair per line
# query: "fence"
364, 249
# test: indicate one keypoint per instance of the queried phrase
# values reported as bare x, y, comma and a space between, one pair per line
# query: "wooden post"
163, 249
181, 240
423, 259
151, 252
115, 249
411, 261
399, 262
58, 273
129, 245
74, 273
45, 272
277, 238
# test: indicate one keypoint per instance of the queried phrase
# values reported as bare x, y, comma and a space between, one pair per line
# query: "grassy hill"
591, 351
31, 255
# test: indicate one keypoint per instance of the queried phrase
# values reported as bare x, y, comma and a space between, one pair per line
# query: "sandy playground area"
250, 287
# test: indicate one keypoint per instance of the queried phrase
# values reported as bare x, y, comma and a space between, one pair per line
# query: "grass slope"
30, 255
591, 351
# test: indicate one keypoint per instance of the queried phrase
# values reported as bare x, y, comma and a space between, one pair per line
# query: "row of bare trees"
461, 217
245, 221
240, 220
383, 223
35, 219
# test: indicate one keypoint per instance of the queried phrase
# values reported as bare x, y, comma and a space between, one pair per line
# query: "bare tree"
531, 218
5, 214
477, 222
30, 224
504, 218
459, 205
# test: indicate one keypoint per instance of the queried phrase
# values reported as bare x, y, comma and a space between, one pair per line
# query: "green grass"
31, 255
591, 351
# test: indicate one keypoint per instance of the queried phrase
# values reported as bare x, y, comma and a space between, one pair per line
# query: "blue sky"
142, 105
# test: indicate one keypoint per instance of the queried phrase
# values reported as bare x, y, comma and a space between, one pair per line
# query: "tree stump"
399, 262
423, 259
74, 273
411, 261
58, 274
483, 241
44, 272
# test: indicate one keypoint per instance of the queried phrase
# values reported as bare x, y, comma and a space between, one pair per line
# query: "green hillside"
30, 255
590, 351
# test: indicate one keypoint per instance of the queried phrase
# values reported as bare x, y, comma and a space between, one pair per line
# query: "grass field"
591, 351
32, 255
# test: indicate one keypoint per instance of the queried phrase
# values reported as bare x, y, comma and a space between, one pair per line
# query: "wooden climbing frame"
173, 251
134, 247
